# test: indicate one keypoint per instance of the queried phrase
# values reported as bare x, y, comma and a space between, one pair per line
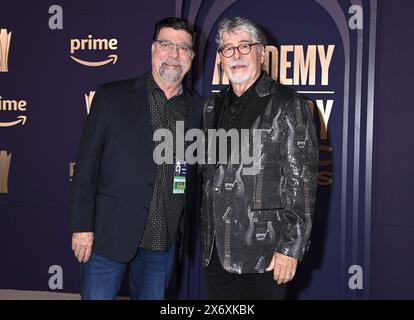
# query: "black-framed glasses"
183, 49
243, 49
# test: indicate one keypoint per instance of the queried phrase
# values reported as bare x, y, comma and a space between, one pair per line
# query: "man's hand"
284, 267
82, 245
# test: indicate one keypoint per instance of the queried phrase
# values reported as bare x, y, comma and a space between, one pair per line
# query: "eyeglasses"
183, 49
243, 49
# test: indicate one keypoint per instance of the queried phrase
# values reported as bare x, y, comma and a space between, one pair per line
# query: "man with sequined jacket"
257, 218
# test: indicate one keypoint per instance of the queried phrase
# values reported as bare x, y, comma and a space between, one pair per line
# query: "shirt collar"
248, 92
153, 86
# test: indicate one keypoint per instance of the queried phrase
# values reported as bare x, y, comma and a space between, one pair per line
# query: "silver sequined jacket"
252, 211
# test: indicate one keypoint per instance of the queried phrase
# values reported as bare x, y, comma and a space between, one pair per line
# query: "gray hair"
240, 24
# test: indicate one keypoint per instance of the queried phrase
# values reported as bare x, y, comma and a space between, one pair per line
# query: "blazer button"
216, 189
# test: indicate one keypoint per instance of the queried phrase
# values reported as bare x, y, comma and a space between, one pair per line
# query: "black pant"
222, 285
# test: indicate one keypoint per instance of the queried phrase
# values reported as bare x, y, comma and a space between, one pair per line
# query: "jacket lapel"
263, 92
141, 106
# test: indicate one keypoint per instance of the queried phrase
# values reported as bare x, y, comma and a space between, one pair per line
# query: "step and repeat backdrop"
53, 55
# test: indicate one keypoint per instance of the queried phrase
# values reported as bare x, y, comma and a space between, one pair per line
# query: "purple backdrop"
364, 218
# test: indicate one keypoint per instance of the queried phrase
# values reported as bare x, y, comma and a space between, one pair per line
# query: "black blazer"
114, 173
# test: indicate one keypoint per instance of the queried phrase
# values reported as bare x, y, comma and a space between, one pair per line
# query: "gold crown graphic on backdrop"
5, 39
4, 170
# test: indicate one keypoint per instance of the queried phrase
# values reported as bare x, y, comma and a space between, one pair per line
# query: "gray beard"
171, 75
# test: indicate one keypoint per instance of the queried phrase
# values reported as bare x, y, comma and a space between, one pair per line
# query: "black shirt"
234, 108
238, 113
165, 208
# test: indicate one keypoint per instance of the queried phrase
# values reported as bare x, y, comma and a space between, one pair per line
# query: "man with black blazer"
125, 208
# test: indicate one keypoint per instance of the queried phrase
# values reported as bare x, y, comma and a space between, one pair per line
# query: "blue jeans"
149, 275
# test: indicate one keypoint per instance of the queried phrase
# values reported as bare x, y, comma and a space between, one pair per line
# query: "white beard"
239, 79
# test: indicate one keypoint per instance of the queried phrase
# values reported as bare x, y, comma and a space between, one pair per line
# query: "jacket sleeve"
86, 173
208, 106
299, 157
